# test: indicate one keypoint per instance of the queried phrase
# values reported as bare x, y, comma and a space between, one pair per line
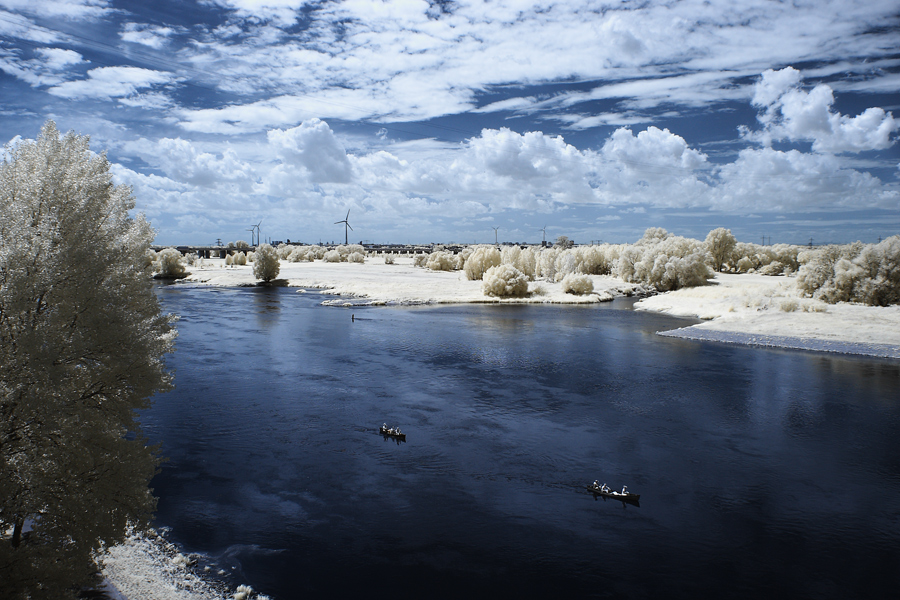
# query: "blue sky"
439, 121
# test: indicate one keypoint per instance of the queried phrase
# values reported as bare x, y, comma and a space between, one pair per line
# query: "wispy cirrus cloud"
70, 9
48, 67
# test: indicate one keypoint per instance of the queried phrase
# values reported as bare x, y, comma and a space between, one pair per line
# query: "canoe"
626, 497
391, 432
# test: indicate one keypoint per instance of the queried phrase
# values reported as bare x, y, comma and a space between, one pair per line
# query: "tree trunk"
17, 532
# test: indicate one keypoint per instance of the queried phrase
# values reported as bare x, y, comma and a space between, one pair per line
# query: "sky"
474, 121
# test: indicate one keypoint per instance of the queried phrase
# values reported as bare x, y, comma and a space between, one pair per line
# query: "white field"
752, 309
375, 283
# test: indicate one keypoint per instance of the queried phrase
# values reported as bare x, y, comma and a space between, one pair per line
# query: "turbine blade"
348, 225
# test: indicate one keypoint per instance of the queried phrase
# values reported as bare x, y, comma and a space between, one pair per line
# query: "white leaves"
503, 281
265, 263
81, 344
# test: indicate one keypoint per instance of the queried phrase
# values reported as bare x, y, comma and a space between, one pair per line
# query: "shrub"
545, 263
462, 257
539, 289
239, 259
744, 265
577, 284
773, 268
266, 266
169, 264
356, 257
628, 258
388, 259
869, 274
419, 260
504, 280
595, 260
440, 261
229, 260
284, 251
567, 263
670, 263
526, 262
481, 259
332, 256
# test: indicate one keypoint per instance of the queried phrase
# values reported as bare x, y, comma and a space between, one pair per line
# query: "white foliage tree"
720, 243
265, 263
81, 345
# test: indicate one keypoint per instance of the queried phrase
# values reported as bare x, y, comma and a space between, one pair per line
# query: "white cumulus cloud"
181, 161
771, 180
797, 115
313, 147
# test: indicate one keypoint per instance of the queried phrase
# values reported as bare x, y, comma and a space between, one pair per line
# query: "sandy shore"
769, 311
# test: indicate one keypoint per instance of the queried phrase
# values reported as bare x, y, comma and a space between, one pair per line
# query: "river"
762, 472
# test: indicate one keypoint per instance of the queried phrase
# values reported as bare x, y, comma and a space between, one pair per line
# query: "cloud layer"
450, 114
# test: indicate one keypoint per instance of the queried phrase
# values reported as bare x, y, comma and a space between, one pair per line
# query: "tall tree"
82, 341
720, 244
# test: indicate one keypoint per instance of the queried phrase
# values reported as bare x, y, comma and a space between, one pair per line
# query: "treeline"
659, 261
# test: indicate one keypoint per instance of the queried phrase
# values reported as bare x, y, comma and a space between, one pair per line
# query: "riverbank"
759, 310
146, 566
743, 309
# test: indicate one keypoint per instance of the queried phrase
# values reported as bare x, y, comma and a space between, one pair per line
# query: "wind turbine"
346, 226
496, 229
544, 239
256, 227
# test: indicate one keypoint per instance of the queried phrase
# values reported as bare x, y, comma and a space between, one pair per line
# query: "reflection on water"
759, 471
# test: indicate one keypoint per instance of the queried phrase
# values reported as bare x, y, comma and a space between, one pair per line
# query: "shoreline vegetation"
746, 308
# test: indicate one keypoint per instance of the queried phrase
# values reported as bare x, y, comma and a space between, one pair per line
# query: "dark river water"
762, 473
